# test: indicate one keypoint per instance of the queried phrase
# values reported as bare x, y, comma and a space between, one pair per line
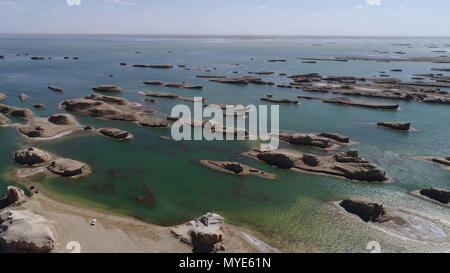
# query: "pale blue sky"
258, 17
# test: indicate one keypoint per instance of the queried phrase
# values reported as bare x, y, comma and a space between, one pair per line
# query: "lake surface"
293, 212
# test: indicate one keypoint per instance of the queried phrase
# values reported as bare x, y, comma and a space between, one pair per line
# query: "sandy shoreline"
117, 234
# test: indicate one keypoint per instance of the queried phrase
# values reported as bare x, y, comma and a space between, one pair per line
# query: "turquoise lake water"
294, 212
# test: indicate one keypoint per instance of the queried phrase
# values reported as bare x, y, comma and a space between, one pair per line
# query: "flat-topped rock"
39, 106
347, 165
277, 60
106, 107
337, 137
153, 122
353, 102
24, 231
183, 85
204, 234
442, 161
56, 89
16, 111
69, 168
107, 88
34, 157
154, 82
396, 59
231, 80
306, 139
289, 101
53, 126
212, 76
115, 133
402, 126
366, 210
160, 66
262, 73
235, 168
169, 96
437, 194
37, 58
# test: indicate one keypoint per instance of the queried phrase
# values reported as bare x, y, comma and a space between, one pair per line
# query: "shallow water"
292, 213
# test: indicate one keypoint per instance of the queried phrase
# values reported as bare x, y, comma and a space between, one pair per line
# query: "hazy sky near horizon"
253, 17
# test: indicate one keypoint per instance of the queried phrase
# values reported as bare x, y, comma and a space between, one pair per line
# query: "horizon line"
168, 35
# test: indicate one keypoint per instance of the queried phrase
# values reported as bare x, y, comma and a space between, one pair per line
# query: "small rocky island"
40, 161
317, 140
53, 126
346, 165
439, 195
442, 161
107, 88
236, 168
401, 126
115, 133
112, 108
366, 210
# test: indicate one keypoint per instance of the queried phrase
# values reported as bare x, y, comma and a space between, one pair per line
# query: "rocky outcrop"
442, 161
37, 58
282, 160
235, 168
337, 137
16, 111
4, 120
39, 106
402, 126
153, 122
112, 108
212, 76
366, 210
62, 119
107, 88
14, 196
306, 139
183, 85
311, 160
361, 103
347, 165
161, 66
115, 133
437, 194
68, 168
154, 82
443, 59
168, 96
24, 231
204, 234
230, 80
34, 157
2, 96
54, 125
276, 60
280, 100
56, 89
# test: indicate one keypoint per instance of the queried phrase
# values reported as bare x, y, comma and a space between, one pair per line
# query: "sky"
228, 17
